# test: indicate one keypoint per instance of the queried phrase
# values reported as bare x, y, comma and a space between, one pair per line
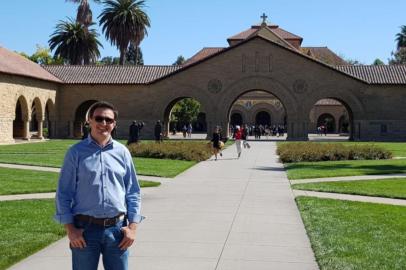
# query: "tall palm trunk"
122, 55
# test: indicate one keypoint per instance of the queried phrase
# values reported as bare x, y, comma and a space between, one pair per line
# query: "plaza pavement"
228, 214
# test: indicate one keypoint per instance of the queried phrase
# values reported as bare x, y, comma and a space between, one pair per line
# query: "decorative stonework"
300, 86
214, 86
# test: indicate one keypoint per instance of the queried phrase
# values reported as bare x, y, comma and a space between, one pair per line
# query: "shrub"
196, 151
309, 151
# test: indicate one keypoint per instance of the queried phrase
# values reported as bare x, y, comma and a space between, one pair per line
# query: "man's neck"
101, 141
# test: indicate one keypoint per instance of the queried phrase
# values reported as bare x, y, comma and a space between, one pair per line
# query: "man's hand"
129, 236
75, 236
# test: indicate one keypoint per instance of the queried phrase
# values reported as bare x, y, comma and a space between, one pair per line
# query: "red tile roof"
274, 28
203, 53
394, 74
15, 64
324, 54
110, 74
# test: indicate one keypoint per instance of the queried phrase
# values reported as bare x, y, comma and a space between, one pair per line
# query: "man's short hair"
104, 105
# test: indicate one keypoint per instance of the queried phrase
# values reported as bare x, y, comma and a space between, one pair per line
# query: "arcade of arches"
264, 76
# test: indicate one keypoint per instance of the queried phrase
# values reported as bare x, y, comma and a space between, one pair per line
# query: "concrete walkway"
349, 197
228, 214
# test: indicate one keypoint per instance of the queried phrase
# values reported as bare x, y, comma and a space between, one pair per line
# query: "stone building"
264, 69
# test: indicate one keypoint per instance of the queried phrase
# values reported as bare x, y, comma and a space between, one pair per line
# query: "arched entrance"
332, 117
236, 119
49, 121
259, 106
80, 117
263, 118
20, 128
181, 114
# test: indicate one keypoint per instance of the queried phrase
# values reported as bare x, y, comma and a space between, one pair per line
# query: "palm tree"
401, 37
124, 22
75, 43
84, 14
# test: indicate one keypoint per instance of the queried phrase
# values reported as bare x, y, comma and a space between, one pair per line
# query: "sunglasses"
100, 119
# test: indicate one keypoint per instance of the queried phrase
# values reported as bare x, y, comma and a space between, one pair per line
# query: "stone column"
26, 132
70, 129
297, 130
40, 130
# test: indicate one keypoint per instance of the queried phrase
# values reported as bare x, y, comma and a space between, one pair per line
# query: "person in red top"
238, 139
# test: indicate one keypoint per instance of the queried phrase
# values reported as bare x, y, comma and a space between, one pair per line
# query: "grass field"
390, 188
354, 235
51, 154
26, 227
14, 181
301, 170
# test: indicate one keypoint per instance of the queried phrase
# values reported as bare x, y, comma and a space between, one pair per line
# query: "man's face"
102, 123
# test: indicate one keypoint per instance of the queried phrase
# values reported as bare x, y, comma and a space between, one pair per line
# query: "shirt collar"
90, 141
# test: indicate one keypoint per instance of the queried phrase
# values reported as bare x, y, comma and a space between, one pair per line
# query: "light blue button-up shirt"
99, 182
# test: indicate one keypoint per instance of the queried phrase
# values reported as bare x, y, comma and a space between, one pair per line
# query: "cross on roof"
264, 17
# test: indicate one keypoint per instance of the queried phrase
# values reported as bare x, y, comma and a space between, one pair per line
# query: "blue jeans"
103, 241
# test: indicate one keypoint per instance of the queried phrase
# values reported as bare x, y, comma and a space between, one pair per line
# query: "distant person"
184, 131
245, 137
216, 142
189, 130
135, 129
158, 131
85, 130
238, 140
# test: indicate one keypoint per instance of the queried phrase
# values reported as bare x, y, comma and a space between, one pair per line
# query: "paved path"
228, 214
349, 197
349, 178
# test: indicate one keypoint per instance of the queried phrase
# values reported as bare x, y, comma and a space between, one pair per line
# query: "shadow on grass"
275, 169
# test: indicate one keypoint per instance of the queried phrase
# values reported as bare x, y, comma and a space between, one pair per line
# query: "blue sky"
356, 29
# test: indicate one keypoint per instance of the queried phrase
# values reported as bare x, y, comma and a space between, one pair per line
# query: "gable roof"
274, 28
203, 53
15, 64
109, 74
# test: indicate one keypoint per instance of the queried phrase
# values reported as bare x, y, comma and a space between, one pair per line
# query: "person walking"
189, 130
216, 142
158, 131
98, 196
245, 137
135, 129
238, 139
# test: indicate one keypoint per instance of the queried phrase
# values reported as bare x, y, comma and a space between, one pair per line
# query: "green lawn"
14, 181
390, 188
51, 154
301, 170
26, 227
355, 235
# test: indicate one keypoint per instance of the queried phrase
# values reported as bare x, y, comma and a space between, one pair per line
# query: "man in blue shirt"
98, 196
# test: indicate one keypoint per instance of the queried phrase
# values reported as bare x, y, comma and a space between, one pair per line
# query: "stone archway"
36, 122
292, 107
263, 118
21, 119
236, 119
49, 120
81, 117
328, 121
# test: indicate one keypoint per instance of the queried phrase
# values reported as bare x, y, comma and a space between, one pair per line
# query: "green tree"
179, 61
378, 62
74, 43
398, 57
401, 37
134, 56
185, 111
84, 14
109, 60
124, 22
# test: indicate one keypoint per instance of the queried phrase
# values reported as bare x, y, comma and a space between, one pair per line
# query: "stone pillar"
26, 131
297, 130
70, 129
40, 130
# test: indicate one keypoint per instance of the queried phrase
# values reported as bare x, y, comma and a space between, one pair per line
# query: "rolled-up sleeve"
66, 189
133, 194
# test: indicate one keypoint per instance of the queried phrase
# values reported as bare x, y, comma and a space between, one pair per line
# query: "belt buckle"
105, 222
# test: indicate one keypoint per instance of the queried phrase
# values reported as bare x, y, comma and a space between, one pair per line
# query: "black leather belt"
104, 222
